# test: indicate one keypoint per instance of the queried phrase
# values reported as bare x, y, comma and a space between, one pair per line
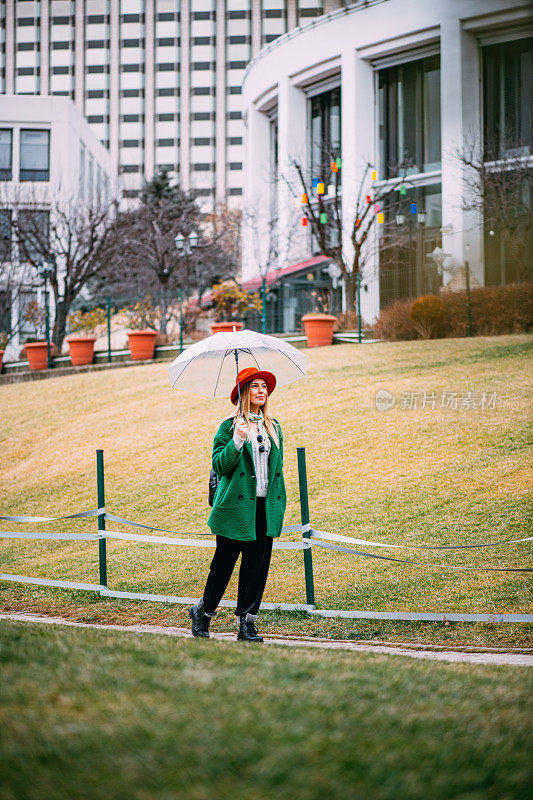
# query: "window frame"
41, 178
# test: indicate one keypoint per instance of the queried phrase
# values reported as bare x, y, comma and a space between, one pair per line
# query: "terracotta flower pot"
142, 344
37, 353
224, 327
319, 329
81, 349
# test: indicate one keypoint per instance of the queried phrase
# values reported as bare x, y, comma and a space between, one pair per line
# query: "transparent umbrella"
210, 367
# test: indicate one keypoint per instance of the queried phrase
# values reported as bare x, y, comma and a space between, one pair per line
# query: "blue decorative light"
413, 208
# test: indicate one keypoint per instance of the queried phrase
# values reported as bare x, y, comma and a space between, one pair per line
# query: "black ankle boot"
248, 631
200, 621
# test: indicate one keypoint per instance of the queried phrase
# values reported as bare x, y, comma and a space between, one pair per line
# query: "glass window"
34, 235
34, 155
27, 301
6, 139
411, 230
409, 117
5, 236
325, 133
508, 99
82, 172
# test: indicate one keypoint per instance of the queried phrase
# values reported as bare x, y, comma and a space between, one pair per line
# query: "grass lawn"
407, 475
95, 715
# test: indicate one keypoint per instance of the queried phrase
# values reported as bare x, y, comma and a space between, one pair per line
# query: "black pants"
253, 573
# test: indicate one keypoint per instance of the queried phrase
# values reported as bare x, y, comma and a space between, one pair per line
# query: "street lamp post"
185, 245
467, 286
358, 286
46, 270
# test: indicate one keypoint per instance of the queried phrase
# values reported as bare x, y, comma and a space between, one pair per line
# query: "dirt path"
413, 651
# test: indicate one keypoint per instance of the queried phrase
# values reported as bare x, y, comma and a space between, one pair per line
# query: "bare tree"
500, 192
328, 227
72, 237
14, 279
146, 259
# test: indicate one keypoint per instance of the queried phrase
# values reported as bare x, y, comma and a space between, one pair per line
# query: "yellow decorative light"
381, 218
320, 188
374, 175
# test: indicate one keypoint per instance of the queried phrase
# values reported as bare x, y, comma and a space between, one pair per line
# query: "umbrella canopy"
209, 367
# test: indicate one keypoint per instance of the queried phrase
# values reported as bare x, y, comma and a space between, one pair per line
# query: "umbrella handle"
238, 384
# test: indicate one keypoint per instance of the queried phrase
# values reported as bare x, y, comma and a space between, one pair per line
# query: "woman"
249, 503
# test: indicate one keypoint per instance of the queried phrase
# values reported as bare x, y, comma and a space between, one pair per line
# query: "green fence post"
304, 508
108, 304
101, 517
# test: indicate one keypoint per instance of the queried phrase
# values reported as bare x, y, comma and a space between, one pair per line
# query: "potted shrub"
3, 344
230, 302
142, 320
83, 325
36, 349
318, 324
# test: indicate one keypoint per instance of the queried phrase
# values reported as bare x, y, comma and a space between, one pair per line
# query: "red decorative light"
304, 222
368, 199
357, 223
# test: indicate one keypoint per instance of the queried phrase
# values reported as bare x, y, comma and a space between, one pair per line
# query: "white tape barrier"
350, 550
392, 615
113, 518
337, 537
90, 587
48, 535
140, 537
94, 512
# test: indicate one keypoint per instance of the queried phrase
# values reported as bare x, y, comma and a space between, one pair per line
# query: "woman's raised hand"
241, 428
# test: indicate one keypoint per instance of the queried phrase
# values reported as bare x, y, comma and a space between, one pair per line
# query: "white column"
257, 187
79, 56
10, 47
292, 14
44, 67
460, 125
256, 27
185, 90
220, 103
358, 149
292, 147
114, 82
149, 90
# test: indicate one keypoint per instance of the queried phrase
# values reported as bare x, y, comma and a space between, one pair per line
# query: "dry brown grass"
431, 475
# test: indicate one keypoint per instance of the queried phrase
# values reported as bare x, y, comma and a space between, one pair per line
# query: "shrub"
394, 323
428, 317
85, 323
495, 310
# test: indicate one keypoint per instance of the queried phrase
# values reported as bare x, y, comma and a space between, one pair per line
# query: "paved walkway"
436, 653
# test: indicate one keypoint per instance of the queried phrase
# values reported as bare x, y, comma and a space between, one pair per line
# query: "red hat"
248, 374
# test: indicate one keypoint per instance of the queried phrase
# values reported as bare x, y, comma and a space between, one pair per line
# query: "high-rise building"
159, 81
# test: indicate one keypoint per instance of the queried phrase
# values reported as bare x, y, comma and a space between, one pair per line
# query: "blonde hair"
245, 401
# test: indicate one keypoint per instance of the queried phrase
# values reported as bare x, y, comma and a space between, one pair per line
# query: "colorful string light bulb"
323, 218
413, 208
403, 189
304, 222
368, 199
374, 175
338, 161
334, 167
305, 199
377, 207
320, 188
381, 218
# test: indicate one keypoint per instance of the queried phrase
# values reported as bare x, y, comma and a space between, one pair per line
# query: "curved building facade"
403, 86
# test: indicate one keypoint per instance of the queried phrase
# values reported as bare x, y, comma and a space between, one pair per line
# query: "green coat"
233, 513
